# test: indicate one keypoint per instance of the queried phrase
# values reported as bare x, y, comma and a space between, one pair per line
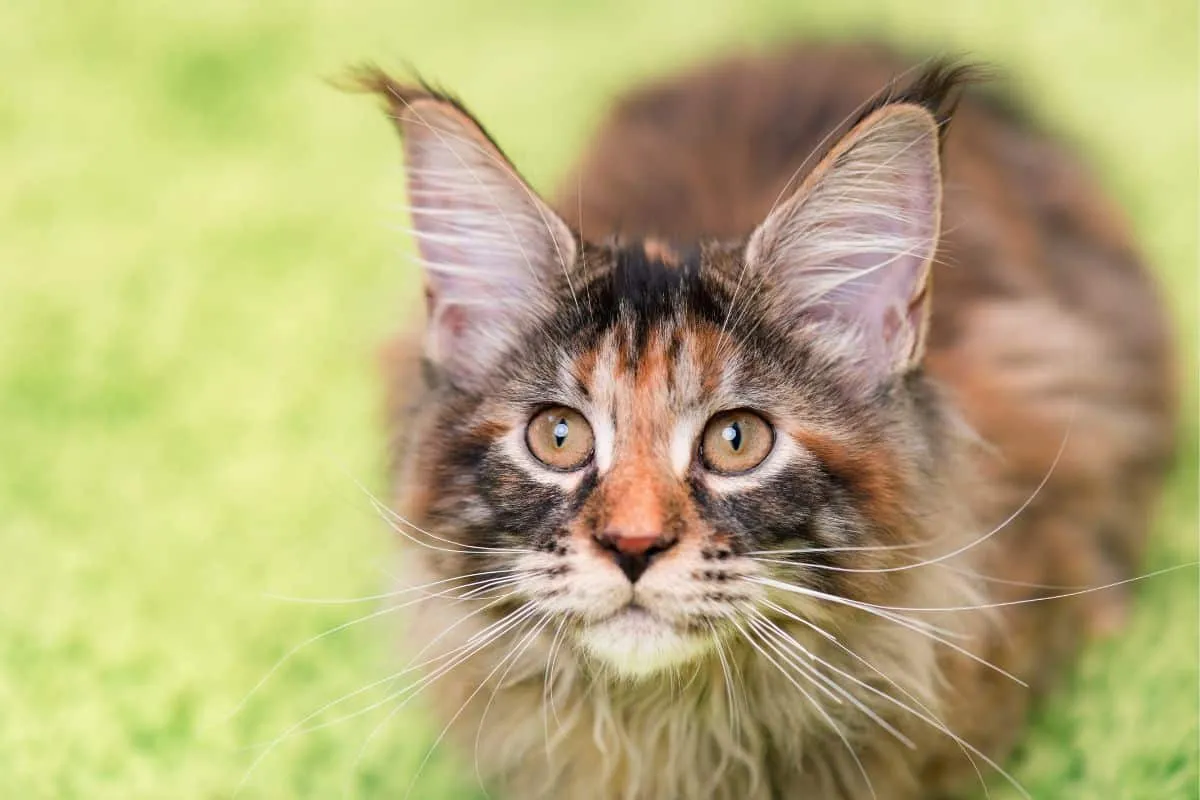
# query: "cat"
737, 471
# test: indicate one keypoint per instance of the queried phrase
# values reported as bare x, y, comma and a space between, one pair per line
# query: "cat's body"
1021, 461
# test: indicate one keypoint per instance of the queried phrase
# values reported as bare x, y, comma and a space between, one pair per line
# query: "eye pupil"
561, 429
733, 434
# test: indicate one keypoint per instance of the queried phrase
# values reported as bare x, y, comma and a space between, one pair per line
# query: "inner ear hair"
852, 247
494, 255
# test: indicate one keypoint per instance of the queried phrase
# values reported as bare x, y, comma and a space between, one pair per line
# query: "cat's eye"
735, 441
560, 438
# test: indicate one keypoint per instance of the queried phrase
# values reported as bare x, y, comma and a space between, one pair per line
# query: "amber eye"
560, 438
735, 441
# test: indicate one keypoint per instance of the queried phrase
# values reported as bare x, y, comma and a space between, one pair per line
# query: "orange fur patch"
872, 473
658, 250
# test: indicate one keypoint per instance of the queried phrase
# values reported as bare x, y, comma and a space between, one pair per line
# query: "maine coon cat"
737, 472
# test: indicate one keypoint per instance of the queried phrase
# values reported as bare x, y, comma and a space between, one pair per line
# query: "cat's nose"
633, 554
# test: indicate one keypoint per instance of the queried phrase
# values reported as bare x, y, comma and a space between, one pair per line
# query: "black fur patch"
641, 290
937, 88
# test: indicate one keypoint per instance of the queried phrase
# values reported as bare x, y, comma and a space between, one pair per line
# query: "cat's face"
641, 544
646, 443
639, 451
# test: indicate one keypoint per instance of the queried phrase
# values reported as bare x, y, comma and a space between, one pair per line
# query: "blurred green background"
198, 259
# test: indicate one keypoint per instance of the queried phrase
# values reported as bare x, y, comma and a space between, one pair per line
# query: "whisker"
1065, 595
298, 728
755, 622
939, 726
313, 639
817, 706
846, 549
1062, 446
976, 575
464, 549
548, 681
514, 655
885, 613
812, 700
790, 641
336, 601
730, 702
385, 511
492, 698
451, 660
921, 624
970, 573
829, 636
417, 690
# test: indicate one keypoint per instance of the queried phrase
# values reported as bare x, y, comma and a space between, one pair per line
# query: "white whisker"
936, 723
465, 549
845, 549
1062, 446
789, 641
336, 629
817, 706
886, 613
514, 654
1027, 600
298, 728
548, 684
337, 601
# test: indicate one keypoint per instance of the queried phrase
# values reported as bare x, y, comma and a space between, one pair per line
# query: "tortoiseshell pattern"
977, 418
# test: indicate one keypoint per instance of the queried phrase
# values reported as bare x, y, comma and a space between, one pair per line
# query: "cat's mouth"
635, 642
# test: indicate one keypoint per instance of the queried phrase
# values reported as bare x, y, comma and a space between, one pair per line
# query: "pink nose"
633, 554
632, 545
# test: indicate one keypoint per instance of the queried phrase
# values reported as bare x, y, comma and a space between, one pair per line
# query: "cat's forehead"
653, 266
658, 322
643, 269
658, 335
648, 388
666, 360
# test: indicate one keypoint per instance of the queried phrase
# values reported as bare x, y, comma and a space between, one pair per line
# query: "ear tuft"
937, 88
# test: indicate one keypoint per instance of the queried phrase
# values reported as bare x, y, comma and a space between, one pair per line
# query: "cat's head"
652, 442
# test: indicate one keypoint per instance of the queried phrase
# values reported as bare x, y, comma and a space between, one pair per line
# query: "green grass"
196, 263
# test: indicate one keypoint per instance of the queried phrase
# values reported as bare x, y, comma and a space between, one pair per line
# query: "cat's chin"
636, 644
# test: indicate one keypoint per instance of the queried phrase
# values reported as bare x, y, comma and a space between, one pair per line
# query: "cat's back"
1045, 325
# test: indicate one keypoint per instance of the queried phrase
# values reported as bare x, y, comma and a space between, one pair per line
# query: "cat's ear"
851, 249
492, 252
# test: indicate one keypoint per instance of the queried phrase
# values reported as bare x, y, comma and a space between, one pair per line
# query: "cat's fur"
1010, 427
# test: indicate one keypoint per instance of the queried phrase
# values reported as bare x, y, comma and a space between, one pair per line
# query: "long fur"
864, 613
